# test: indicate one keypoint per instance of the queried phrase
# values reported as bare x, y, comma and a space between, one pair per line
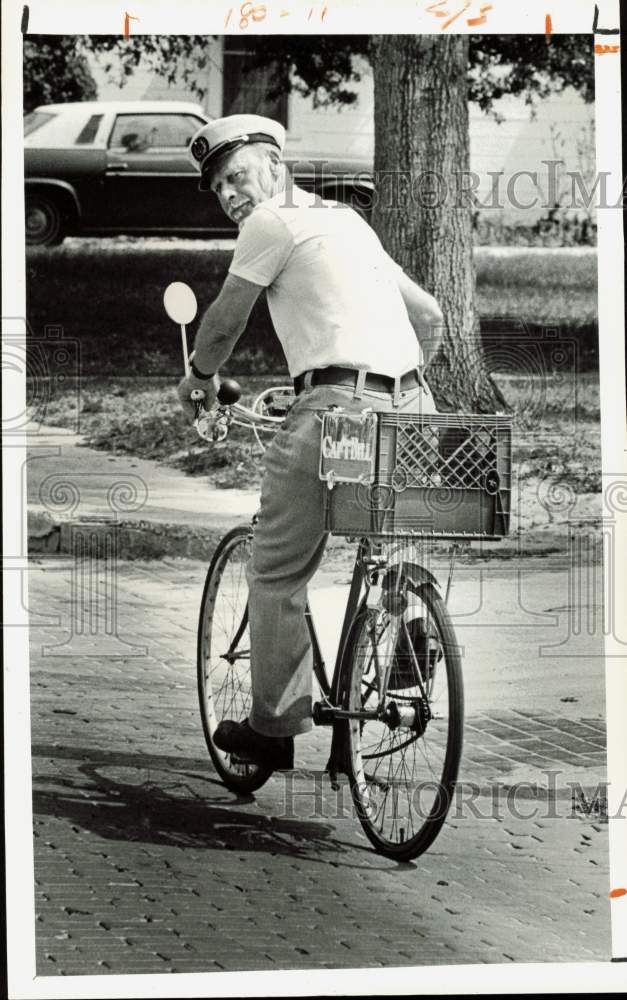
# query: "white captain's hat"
225, 135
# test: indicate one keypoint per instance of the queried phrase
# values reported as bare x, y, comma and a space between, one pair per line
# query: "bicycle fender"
416, 574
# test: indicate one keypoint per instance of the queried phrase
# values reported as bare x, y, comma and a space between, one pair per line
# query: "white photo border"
344, 16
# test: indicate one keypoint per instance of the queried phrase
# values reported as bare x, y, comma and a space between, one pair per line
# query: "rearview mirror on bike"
180, 303
213, 425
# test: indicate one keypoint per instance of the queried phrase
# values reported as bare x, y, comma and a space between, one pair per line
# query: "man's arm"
424, 314
224, 322
217, 335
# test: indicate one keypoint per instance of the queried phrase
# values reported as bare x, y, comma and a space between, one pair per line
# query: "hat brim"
217, 155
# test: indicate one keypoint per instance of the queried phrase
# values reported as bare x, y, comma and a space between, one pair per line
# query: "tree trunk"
422, 150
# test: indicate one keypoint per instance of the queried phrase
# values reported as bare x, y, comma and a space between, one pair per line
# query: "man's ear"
275, 163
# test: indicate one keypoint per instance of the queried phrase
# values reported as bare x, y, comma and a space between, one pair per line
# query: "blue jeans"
288, 544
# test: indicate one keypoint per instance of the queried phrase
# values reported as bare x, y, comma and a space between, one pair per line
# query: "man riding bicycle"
356, 332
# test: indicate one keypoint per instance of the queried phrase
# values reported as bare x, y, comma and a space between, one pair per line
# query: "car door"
150, 185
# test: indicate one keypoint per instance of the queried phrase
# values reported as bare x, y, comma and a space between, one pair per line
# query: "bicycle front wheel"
224, 683
403, 764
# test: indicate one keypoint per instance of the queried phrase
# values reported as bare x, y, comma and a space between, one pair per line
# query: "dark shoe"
427, 650
251, 747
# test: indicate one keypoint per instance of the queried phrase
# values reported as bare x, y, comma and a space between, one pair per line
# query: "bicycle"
395, 698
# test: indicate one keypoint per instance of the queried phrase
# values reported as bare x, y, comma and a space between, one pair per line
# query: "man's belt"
335, 375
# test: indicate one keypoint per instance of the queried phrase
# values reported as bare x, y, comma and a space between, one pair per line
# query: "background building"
562, 128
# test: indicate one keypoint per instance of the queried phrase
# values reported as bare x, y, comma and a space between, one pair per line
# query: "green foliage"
498, 65
56, 70
559, 227
322, 65
175, 57
55, 67
530, 66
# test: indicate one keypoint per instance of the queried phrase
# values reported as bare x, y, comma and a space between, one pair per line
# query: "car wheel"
44, 224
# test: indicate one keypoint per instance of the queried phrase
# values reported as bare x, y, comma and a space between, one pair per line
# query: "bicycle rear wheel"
224, 683
403, 766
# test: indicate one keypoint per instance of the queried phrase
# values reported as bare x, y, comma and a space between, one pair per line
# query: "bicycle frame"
331, 691
368, 563
372, 559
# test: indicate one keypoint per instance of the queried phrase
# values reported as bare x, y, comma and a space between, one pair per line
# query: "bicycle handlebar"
213, 425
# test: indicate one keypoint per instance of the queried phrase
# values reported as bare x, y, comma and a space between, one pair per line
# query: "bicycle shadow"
170, 805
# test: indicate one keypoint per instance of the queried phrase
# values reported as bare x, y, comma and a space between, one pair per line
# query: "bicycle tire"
224, 688
399, 759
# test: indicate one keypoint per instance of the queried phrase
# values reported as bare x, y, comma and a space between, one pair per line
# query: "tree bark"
423, 218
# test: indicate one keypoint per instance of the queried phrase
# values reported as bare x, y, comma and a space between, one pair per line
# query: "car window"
88, 132
141, 132
34, 120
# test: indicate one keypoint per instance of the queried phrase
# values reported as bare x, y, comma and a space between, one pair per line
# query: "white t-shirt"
332, 289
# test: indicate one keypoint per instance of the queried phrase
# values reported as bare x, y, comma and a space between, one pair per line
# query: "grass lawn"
107, 298
538, 285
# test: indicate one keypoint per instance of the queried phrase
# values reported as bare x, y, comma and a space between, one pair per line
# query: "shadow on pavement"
168, 804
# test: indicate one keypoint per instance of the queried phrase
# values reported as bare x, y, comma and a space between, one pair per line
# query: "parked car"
103, 168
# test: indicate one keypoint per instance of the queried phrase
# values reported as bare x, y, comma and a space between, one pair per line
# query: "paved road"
145, 863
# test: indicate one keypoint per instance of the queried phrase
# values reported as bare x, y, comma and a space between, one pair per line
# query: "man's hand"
184, 390
424, 314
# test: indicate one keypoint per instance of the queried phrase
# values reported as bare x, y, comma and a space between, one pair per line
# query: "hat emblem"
200, 148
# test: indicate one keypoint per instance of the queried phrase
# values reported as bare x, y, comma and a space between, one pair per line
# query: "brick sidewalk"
145, 863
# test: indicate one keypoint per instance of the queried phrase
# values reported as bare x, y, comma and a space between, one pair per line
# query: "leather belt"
335, 375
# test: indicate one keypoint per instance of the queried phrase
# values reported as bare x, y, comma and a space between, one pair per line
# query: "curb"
100, 537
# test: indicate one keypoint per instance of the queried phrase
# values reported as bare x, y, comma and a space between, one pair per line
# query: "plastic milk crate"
444, 475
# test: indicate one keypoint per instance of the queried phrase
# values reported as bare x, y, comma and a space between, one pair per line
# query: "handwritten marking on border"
616, 893
25, 17
248, 13
601, 31
127, 24
455, 16
548, 26
472, 22
603, 50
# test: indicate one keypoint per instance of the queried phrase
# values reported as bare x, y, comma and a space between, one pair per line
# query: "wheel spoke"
224, 656
397, 797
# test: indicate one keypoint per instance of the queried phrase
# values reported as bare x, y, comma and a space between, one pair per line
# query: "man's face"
245, 179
